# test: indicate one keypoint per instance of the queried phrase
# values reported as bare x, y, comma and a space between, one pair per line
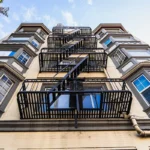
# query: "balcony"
74, 98
52, 60
67, 30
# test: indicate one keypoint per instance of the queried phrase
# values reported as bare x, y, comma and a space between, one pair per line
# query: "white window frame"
142, 90
120, 57
27, 60
9, 87
37, 42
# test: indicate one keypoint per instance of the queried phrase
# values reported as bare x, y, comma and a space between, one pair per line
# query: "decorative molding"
12, 71
68, 125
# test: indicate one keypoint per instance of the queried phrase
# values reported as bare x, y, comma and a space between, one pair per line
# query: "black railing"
59, 41
60, 30
37, 105
67, 100
51, 60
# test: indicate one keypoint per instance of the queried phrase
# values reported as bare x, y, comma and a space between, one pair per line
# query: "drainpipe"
137, 128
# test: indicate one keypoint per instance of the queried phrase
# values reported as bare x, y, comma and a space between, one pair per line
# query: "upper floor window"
23, 58
139, 52
5, 85
142, 85
35, 43
19, 39
42, 33
108, 42
119, 57
7, 53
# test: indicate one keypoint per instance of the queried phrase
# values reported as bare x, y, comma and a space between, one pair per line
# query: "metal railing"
50, 59
36, 103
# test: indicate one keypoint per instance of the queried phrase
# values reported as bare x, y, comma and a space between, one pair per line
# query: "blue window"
23, 58
108, 42
12, 53
35, 43
142, 85
19, 39
91, 100
7, 53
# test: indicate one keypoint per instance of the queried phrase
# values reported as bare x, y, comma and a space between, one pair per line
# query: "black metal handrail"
36, 105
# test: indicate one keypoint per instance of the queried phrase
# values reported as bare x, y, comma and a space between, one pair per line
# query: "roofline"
107, 25
32, 25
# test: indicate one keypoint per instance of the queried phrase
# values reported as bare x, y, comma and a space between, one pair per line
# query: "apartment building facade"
74, 88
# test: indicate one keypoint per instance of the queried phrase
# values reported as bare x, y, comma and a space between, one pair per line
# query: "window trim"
36, 42
108, 43
140, 92
119, 56
27, 60
9, 87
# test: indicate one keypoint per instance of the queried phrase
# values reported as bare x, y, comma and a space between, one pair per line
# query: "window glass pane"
91, 100
19, 39
144, 81
35, 43
107, 42
139, 52
146, 94
141, 83
4, 78
23, 58
5, 85
12, 53
5, 53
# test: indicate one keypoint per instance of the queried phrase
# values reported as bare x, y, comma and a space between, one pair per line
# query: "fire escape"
73, 50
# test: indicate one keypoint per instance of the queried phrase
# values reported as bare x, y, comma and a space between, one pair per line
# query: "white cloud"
6, 19
50, 22
70, 1
90, 2
69, 18
2, 32
15, 16
30, 14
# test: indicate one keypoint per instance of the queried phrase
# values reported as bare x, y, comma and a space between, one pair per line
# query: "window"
123, 39
119, 57
23, 58
61, 101
91, 100
35, 43
139, 52
142, 85
5, 85
7, 53
108, 42
19, 39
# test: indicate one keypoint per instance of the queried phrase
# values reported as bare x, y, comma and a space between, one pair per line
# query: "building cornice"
108, 25
33, 25
68, 125
17, 46
136, 68
12, 71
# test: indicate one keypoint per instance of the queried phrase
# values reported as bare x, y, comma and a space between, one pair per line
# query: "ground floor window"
5, 85
142, 85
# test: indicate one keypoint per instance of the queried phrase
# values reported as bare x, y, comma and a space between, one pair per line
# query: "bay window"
5, 85
142, 85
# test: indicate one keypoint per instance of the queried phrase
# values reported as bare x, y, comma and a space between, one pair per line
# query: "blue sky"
133, 14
